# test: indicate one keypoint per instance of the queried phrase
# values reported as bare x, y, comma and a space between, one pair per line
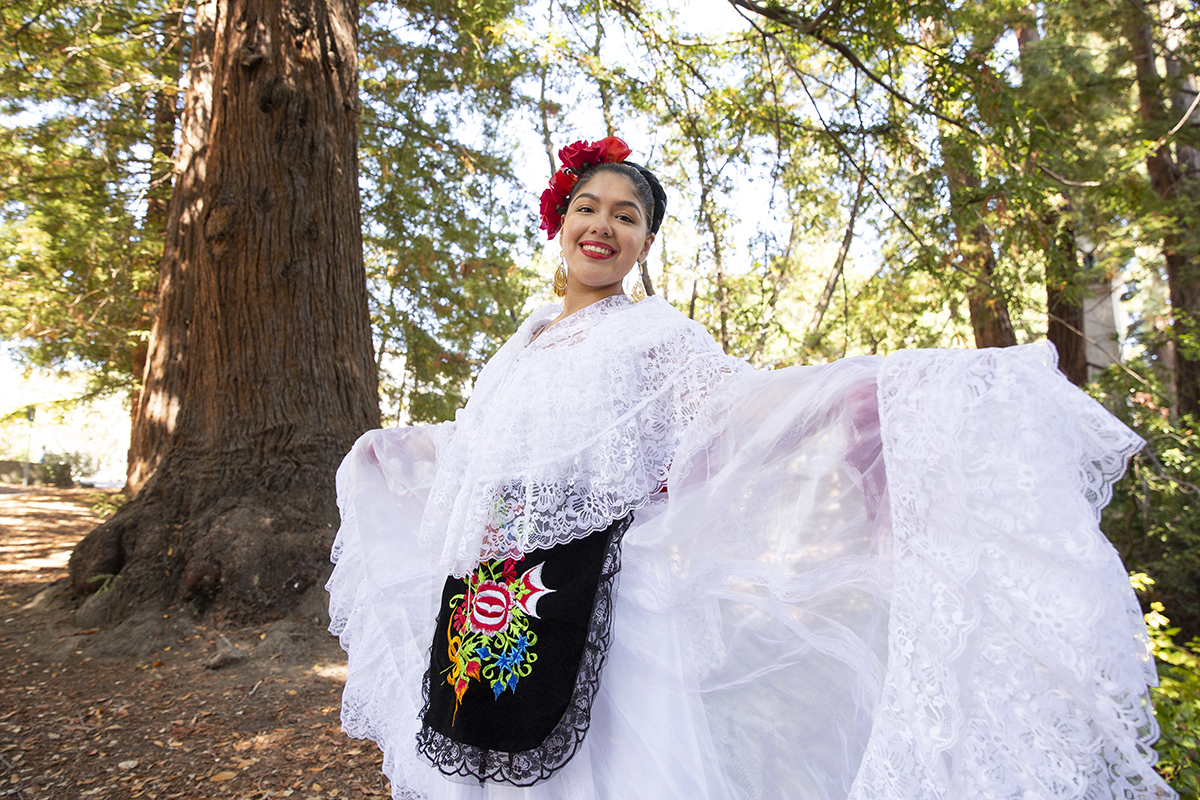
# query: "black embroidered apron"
516, 659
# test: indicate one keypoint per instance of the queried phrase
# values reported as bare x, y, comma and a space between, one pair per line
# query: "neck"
582, 297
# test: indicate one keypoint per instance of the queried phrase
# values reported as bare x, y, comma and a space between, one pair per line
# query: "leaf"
224, 775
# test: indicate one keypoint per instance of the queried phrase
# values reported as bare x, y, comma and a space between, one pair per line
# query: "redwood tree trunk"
1173, 182
989, 312
990, 321
275, 370
1064, 312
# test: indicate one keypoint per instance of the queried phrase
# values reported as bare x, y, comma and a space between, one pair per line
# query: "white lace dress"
878, 578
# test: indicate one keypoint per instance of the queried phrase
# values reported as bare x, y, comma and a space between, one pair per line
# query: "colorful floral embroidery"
489, 636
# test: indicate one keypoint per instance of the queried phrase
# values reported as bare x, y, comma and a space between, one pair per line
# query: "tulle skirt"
880, 578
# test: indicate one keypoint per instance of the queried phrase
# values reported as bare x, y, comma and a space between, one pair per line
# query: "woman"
879, 578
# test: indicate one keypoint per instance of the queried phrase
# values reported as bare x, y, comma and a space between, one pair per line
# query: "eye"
583, 207
626, 218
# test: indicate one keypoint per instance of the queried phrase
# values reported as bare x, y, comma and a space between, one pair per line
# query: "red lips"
608, 250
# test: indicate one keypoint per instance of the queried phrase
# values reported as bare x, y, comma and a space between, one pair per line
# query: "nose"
601, 226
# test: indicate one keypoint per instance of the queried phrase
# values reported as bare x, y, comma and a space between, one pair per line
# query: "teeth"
594, 249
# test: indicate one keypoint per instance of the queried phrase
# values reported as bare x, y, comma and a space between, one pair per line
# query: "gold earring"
560, 276
639, 288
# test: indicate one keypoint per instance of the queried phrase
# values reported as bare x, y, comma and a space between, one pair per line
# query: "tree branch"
839, 264
812, 28
1067, 182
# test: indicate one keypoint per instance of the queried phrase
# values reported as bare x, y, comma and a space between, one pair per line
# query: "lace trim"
526, 768
581, 458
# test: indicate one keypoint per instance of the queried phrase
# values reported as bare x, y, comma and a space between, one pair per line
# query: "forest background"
844, 178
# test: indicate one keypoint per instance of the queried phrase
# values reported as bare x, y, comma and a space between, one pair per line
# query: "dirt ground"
135, 712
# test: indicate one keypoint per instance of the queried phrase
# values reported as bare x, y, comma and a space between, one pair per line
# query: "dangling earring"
639, 288
560, 276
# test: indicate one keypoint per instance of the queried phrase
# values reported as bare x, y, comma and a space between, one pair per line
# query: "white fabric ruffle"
879, 578
1018, 659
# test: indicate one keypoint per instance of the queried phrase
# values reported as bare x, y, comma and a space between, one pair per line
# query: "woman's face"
604, 233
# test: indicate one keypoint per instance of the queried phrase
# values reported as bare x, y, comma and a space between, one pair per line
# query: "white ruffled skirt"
879, 578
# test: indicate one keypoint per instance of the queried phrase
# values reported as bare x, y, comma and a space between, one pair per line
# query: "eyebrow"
629, 203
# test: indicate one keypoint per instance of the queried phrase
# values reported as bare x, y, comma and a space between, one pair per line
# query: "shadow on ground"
163, 705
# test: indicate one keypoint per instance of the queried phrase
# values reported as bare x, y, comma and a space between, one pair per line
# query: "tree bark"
782, 279
708, 218
989, 312
813, 336
1064, 314
603, 87
267, 321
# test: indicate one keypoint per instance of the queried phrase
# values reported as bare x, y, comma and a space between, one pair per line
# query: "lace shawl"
568, 431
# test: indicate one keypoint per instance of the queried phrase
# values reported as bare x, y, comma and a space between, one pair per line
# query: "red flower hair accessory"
576, 159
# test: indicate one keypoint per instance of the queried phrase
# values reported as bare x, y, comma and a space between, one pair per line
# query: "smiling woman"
878, 578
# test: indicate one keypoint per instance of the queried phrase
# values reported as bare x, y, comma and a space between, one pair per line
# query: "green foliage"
81, 465
1154, 522
1176, 700
1044, 137
443, 214
88, 91
777, 139
75, 270
92, 92
822, 126
105, 504
1154, 517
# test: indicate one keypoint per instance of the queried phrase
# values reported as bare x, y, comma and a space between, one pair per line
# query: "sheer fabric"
879, 578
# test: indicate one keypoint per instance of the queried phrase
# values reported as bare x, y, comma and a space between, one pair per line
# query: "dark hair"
645, 186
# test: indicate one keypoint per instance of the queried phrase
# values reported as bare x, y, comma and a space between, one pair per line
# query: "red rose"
490, 608
576, 155
562, 183
551, 219
612, 149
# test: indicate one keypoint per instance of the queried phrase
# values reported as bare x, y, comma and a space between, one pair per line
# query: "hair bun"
660, 198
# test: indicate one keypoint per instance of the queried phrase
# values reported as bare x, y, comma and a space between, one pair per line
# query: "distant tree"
1173, 164
85, 152
277, 375
1064, 278
446, 223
